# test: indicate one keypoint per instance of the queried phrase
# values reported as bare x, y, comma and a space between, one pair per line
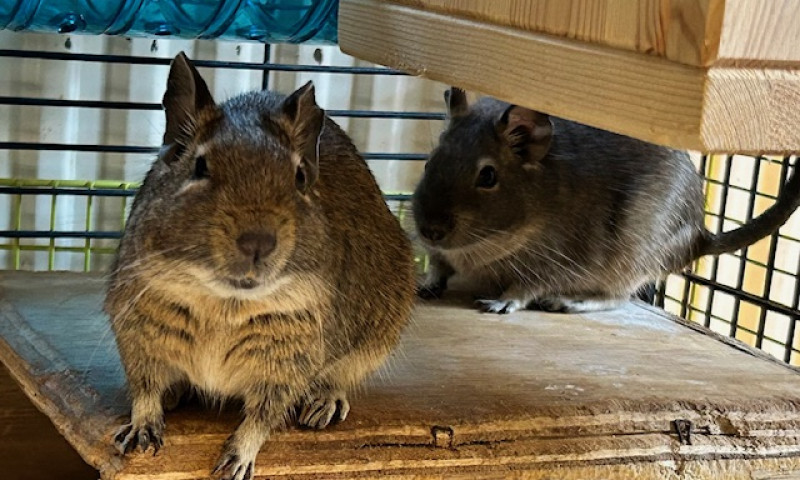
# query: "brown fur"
329, 302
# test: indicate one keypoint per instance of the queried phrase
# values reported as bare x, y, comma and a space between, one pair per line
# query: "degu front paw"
130, 436
234, 463
501, 306
324, 408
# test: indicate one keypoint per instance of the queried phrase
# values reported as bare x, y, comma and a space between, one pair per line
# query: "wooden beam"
685, 31
632, 94
664, 102
692, 32
760, 33
751, 111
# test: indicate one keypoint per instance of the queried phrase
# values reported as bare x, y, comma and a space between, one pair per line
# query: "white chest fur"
208, 369
219, 323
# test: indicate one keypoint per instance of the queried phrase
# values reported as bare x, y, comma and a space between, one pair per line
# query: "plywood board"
467, 395
742, 110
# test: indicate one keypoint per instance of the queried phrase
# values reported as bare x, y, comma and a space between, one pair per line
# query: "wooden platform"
707, 75
30, 447
468, 395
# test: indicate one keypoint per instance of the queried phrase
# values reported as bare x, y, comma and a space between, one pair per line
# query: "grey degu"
259, 262
561, 216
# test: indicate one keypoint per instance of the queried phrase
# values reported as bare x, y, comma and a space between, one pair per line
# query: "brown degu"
259, 262
560, 216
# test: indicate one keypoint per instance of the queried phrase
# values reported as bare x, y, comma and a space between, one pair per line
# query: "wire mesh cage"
84, 121
83, 135
752, 294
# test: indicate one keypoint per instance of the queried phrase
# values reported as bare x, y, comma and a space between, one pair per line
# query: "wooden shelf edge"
730, 341
751, 110
57, 396
686, 32
476, 396
731, 110
758, 33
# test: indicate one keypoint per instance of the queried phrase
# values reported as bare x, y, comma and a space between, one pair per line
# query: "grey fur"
579, 224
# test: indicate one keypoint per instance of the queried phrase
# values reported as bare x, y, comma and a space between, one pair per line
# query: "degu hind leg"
326, 402
576, 304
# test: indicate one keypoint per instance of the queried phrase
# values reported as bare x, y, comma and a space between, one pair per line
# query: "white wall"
145, 83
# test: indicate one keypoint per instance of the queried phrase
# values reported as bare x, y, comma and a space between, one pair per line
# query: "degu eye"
300, 179
487, 177
200, 168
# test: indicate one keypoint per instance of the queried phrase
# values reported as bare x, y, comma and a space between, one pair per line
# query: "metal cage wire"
739, 294
89, 193
721, 292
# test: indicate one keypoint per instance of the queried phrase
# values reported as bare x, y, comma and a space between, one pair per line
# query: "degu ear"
186, 95
456, 101
303, 120
527, 132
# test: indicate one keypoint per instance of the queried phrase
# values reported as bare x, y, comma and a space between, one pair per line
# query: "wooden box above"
629, 393
708, 75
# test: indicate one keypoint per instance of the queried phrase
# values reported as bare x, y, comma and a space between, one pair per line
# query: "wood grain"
692, 32
750, 110
760, 33
466, 396
631, 94
30, 447
53, 387
685, 31
747, 110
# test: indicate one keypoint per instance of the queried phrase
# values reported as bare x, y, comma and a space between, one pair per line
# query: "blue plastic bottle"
271, 21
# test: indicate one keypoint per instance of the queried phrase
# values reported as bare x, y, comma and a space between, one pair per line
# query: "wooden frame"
750, 109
